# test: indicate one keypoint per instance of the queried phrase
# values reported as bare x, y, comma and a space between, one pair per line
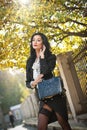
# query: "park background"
63, 22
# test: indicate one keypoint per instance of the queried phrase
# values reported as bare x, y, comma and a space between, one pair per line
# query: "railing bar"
80, 58
85, 48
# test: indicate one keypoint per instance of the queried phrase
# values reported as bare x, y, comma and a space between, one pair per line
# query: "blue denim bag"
50, 87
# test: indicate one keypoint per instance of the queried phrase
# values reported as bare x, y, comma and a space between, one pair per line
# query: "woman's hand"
37, 80
42, 52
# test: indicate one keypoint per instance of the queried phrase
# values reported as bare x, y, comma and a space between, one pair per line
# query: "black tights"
64, 124
43, 122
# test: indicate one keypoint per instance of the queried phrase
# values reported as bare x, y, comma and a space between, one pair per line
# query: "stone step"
80, 125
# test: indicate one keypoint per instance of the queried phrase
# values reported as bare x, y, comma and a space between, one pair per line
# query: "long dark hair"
45, 42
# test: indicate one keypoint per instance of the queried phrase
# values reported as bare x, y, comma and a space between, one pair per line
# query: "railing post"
71, 83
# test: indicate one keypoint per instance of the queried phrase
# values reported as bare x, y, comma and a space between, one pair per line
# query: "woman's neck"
37, 53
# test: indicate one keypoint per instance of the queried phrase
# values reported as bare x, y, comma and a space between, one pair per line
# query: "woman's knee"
60, 119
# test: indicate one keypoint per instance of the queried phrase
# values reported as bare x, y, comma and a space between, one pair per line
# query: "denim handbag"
50, 87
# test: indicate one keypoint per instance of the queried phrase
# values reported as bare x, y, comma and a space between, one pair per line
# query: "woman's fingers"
44, 48
39, 78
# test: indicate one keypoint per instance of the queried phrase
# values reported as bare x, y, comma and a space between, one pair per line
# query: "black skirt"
57, 104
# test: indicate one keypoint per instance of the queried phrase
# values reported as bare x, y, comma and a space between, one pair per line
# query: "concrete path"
22, 127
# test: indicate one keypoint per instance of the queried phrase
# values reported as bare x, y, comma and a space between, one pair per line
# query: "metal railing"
80, 62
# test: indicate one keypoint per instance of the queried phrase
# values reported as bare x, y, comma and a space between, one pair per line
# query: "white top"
36, 70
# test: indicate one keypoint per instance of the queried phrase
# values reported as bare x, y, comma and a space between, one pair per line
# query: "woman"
39, 66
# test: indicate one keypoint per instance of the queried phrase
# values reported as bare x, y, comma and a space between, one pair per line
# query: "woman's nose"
35, 41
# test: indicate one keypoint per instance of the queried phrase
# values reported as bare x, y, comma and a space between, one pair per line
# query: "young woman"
39, 66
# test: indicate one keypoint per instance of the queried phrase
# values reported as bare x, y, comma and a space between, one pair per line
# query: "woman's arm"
28, 73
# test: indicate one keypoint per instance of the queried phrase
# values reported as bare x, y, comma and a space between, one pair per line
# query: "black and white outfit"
45, 66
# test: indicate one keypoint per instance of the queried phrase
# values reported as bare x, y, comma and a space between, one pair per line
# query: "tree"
64, 22
12, 88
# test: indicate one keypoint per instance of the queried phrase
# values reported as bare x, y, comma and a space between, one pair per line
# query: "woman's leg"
43, 117
42, 122
64, 124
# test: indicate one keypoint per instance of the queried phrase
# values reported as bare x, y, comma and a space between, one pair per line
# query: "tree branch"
80, 34
74, 21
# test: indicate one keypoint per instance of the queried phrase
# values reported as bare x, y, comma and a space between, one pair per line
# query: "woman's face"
37, 42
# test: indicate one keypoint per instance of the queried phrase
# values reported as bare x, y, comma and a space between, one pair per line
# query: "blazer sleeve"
28, 74
47, 65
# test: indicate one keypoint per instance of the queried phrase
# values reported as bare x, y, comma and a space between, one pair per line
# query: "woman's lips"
35, 45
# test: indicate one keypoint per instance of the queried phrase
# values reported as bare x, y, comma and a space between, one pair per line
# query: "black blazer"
46, 67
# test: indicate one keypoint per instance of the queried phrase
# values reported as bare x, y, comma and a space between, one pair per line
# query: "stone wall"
30, 107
